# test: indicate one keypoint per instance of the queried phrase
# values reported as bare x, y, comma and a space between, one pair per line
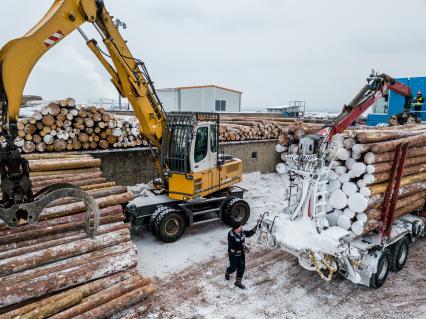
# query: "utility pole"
118, 23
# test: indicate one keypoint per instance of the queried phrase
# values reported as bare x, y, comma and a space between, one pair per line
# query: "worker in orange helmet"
418, 103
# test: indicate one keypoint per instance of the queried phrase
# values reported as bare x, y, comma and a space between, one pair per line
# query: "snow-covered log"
52, 269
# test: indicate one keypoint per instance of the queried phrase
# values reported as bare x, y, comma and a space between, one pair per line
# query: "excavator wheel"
235, 210
153, 218
169, 225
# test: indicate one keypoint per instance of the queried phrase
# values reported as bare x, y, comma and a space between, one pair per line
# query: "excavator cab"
190, 156
186, 141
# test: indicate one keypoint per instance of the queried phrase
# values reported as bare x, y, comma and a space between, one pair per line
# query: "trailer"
302, 229
364, 256
366, 260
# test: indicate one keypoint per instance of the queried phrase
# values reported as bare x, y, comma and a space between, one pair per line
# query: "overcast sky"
272, 50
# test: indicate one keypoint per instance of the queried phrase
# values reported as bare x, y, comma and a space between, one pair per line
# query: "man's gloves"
257, 226
254, 229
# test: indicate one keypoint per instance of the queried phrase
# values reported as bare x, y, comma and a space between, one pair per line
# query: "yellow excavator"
196, 181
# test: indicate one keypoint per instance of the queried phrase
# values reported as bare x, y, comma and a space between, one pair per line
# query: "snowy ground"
202, 242
189, 276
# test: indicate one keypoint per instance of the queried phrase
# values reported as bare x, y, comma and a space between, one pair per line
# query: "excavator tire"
153, 218
235, 210
169, 225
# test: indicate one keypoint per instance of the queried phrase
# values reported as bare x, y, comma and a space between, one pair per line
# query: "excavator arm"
17, 59
128, 74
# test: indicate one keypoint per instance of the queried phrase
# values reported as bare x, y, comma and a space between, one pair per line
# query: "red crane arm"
354, 114
376, 88
401, 89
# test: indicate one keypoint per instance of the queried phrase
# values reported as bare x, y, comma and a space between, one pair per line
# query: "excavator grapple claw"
31, 211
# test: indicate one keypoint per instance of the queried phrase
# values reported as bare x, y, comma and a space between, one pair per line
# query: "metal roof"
207, 86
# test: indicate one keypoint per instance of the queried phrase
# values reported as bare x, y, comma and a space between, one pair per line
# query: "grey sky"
272, 50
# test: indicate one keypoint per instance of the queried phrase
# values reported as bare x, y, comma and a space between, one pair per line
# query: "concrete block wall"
133, 166
256, 155
128, 166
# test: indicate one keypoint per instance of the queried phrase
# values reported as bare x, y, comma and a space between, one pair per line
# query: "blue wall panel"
396, 101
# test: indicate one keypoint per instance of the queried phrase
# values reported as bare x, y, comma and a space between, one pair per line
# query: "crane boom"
128, 74
17, 59
198, 180
376, 88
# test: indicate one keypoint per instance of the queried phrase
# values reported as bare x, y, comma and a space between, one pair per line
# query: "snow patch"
265, 192
302, 234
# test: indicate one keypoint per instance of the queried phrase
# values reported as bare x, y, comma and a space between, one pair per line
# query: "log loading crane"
195, 179
365, 260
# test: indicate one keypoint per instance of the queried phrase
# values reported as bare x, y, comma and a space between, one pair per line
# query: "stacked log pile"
252, 128
360, 173
62, 126
53, 269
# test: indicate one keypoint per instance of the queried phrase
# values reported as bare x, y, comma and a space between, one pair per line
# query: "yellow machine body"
190, 186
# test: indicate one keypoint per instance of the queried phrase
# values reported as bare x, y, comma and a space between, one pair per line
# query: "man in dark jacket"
418, 103
236, 252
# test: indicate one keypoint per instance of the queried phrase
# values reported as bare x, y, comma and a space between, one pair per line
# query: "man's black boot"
239, 284
227, 276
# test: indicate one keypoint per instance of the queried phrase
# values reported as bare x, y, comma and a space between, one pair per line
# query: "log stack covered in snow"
53, 269
62, 126
360, 173
252, 128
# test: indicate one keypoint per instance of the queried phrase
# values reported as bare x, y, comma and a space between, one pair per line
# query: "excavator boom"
129, 76
17, 59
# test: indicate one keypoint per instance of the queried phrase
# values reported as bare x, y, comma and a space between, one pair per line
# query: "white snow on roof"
277, 107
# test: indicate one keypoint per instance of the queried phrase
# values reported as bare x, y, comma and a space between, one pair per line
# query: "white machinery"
303, 230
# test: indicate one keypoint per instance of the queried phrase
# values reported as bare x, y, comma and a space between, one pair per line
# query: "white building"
294, 109
205, 98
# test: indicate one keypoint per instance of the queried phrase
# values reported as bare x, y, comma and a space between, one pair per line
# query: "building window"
220, 105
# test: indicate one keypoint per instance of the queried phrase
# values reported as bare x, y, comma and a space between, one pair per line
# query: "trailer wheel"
169, 225
153, 218
383, 266
342, 271
399, 254
236, 210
